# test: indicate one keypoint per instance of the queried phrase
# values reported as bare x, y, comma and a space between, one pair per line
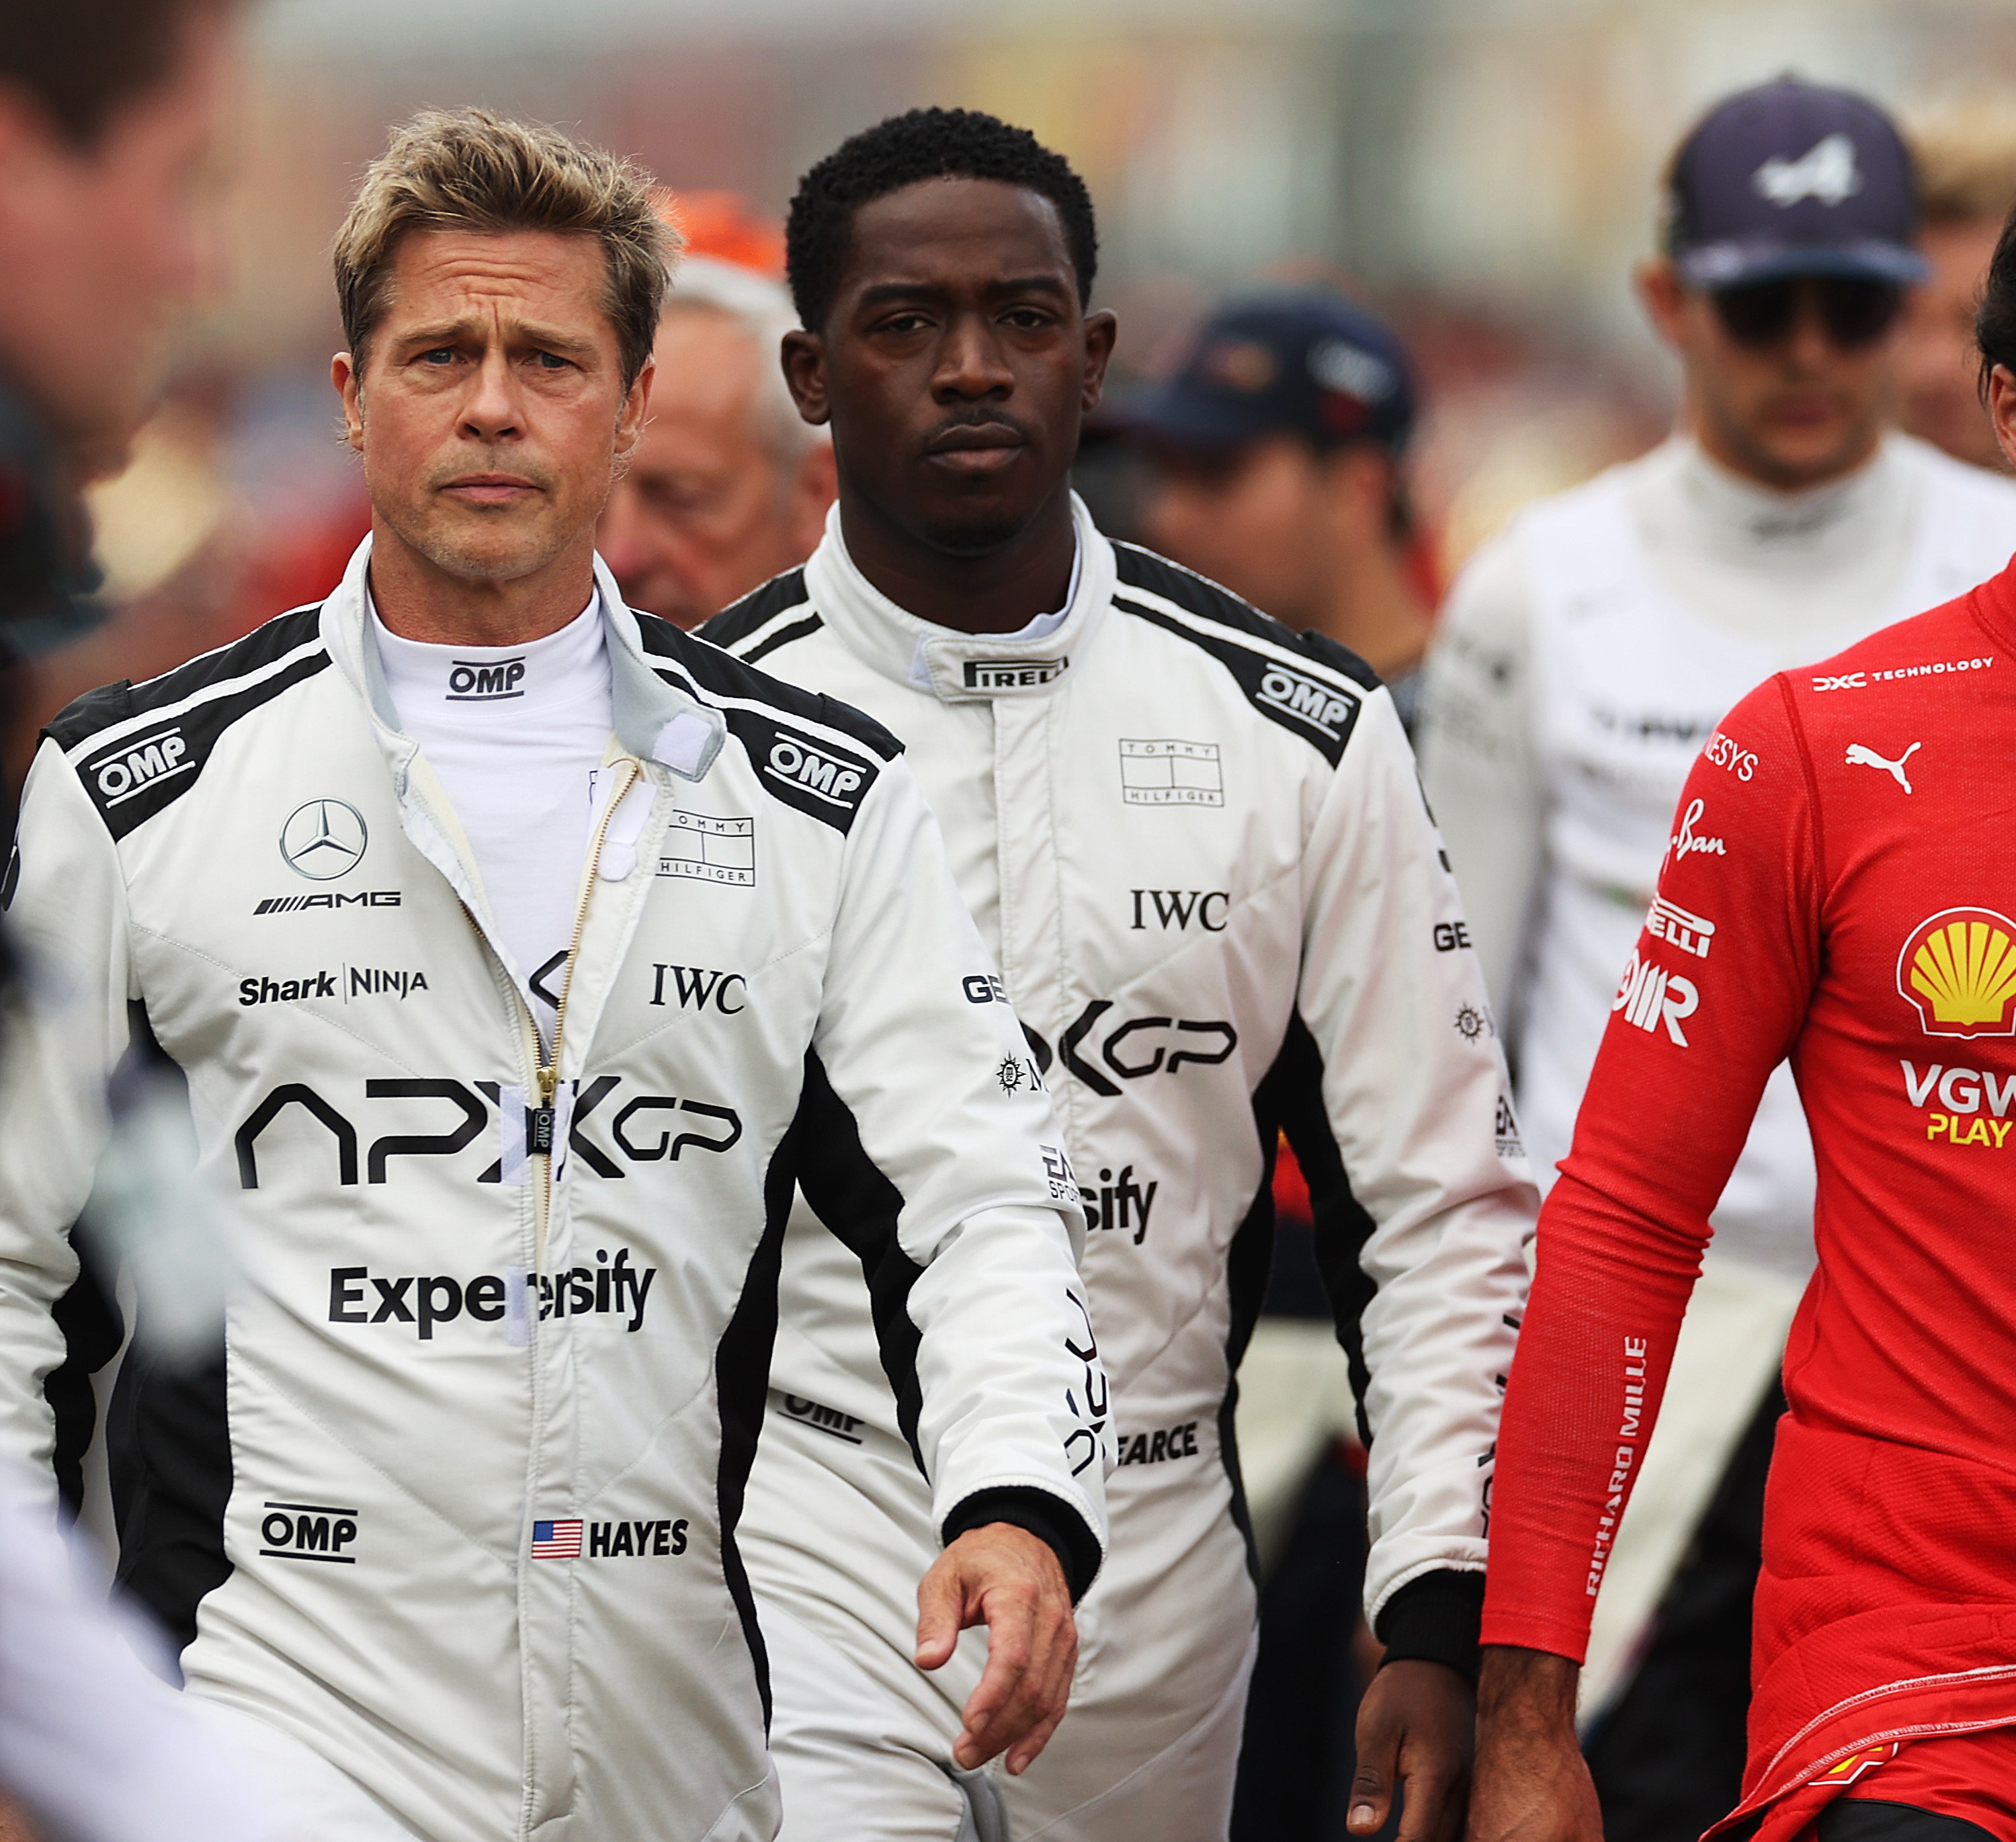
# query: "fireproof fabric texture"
1969, 1777
516, 736
1188, 832
496, 1358
1857, 919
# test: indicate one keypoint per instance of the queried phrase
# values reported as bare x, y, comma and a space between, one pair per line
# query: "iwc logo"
323, 840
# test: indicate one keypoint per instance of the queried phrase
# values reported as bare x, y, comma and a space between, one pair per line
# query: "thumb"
1371, 1783
940, 1612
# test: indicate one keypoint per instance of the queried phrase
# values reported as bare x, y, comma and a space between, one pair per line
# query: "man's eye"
441, 355
550, 362
903, 323
1029, 319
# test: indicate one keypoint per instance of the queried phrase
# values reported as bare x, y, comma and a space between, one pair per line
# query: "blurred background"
1483, 171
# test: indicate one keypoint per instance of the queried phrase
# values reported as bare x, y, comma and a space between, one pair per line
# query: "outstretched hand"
1531, 1784
1012, 1581
1417, 1725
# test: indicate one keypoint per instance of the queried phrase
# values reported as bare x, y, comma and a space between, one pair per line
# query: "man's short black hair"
925, 144
83, 62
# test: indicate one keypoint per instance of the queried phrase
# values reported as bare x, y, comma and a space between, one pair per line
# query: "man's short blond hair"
1965, 154
466, 169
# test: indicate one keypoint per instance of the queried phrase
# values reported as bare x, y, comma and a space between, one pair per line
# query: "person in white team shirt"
1585, 659
412, 884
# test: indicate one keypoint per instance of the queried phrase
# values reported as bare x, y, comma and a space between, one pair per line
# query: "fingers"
1378, 1764
942, 1612
1032, 1651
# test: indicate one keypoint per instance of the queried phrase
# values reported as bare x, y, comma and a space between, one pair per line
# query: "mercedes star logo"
323, 838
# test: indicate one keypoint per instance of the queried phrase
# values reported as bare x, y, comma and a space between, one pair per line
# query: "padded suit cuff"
1051, 1519
1434, 1619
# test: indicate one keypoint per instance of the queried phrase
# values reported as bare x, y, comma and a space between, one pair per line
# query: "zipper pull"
539, 1122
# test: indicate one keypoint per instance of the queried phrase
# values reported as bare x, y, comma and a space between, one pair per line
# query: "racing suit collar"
655, 721
953, 667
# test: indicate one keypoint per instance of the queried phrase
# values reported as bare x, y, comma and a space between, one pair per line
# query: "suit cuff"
1049, 1519
1434, 1618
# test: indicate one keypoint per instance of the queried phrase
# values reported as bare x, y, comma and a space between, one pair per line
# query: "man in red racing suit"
1844, 894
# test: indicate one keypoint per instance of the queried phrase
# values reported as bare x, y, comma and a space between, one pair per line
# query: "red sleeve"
1711, 1002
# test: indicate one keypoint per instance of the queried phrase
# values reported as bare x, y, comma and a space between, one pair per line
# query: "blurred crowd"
1335, 459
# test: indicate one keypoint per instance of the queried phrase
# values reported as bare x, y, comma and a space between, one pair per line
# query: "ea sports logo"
1957, 971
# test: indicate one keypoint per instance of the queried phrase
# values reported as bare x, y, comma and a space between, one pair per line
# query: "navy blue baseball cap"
1304, 362
1793, 178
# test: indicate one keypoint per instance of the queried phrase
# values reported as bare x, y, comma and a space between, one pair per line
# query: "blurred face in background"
1269, 518
1939, 367
1790, 384
716, 500
101, 246
489, 404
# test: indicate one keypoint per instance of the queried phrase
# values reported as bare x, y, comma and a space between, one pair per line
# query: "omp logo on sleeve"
133, 767
1957, 970
1324, 708
1165, 772
823, 779
710, 850
477, 681
825, 776
308, 1531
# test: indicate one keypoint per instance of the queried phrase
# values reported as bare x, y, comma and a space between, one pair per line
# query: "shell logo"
1958, 971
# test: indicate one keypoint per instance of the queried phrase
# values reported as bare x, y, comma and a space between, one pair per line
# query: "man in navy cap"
1278, 445
1586, 658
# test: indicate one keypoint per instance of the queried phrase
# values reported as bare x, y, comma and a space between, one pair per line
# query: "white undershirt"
516, 735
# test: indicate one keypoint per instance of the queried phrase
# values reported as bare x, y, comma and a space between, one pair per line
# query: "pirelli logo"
1012, 675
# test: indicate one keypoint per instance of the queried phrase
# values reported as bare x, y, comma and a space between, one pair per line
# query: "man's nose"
491, 410
969, 362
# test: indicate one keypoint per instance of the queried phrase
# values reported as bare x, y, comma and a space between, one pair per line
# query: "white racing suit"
459, 1517
1219, 906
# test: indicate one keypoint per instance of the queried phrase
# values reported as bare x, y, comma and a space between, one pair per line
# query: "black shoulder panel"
150, 767
781, 636
757, 608
723, 676
808, 771
1310, 704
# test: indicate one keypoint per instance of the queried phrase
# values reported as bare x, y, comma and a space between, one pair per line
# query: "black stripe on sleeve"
736, 622
782, 636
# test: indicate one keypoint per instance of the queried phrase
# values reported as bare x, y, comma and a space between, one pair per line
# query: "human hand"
1416, 1724
1530, 1783
1012, 1581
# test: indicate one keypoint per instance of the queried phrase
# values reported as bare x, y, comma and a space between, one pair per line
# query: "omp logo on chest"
134, 767
827, 777
1307, 699
485, 680
308, 1531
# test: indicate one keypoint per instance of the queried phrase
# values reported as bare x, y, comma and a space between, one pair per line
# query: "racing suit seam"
1815, 821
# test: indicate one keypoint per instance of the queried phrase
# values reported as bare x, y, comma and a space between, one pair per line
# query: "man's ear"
2002, 409
803, 355
1101, 330
347, 376
636, 414
1664, 295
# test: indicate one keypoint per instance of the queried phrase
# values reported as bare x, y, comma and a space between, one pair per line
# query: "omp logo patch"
308, 1531
710, 850
1012, 675
825, 780
1165, 772
811, 770
1323, 707
477, 681
136, 767
1957, 970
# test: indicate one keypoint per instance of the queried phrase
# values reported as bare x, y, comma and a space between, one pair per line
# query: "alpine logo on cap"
1825, 172
1957, 970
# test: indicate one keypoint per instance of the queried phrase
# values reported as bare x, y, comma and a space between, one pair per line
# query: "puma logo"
1859, 757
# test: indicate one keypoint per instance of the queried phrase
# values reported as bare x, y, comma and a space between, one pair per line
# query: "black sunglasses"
1853, 313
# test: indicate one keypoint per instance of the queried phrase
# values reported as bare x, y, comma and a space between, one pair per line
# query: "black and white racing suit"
1196, 843
460, 1519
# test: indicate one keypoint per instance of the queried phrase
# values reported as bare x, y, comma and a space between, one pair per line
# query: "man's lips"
977, 447
489, 489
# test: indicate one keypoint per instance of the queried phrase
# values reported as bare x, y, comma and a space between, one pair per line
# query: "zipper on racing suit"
541, 1127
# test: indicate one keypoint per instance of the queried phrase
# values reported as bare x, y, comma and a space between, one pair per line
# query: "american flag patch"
556, 1540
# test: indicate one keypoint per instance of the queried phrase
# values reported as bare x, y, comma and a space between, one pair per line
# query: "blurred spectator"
728, 487
1586, 657
1966, 159
1279, 445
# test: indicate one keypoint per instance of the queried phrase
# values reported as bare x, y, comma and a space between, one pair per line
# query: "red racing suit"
1842, 893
